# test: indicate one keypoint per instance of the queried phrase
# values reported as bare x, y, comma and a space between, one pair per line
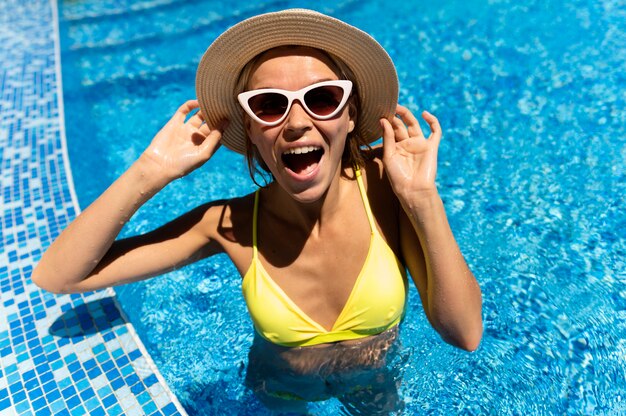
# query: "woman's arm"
86, 257
449, 292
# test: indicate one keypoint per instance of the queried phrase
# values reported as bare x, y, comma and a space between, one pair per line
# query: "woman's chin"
308, 184
305, 185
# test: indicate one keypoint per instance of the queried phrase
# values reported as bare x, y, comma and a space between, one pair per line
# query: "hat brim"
220, 67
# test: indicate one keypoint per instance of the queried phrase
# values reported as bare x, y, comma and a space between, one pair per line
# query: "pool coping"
60, 354
70, 179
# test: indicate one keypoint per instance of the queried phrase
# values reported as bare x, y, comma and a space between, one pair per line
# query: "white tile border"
70, 183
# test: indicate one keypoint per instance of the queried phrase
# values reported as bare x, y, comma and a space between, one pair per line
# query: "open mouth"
302, 160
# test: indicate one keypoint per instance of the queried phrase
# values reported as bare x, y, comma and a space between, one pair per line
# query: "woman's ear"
352, 115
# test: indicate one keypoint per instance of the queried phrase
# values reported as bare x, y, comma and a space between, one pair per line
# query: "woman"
323, 248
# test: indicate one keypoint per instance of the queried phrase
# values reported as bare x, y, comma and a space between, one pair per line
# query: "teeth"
300, 150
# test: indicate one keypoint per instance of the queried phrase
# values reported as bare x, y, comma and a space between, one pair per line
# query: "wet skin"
292, 70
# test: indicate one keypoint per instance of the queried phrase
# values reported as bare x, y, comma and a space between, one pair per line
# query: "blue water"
531, 96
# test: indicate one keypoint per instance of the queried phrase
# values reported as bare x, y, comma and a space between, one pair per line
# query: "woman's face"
302, 152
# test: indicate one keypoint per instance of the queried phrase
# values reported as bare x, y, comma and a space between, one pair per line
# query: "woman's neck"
309, 216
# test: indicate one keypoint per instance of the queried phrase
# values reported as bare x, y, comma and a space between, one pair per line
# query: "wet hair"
354, 153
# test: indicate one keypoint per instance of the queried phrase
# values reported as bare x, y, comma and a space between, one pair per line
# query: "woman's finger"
185, 109
435, 128
204, 129
211, 143
196, 120
399, 129
411, 122
389, 139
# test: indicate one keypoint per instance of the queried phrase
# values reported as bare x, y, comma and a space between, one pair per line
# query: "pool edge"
70, 179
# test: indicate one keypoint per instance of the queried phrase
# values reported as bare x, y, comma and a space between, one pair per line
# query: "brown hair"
356, 147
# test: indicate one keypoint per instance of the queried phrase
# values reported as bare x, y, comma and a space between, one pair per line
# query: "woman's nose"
298, 118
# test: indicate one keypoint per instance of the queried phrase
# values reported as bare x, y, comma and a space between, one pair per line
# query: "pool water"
532, 169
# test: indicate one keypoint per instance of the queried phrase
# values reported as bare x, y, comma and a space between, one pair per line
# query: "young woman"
323, 249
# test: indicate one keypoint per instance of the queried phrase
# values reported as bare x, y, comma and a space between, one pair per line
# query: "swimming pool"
531, 96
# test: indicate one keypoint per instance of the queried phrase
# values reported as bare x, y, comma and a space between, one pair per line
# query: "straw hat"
218, 72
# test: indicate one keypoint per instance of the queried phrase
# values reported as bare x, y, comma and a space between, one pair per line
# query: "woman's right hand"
182, 146
86, 255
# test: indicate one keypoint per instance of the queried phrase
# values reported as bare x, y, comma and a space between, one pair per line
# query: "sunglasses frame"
345, 85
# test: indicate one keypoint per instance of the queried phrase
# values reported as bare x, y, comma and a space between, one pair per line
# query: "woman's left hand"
410, 159
448, 290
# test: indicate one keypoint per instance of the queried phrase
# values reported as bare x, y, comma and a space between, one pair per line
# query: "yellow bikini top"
375, 304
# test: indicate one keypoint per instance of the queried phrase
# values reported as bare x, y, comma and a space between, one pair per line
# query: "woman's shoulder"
224, 220
240, 205
227, 223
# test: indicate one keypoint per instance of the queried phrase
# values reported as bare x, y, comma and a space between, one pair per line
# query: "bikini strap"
366, 202
255, 214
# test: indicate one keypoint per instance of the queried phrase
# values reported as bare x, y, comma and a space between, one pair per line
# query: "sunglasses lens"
269, 106
323, 100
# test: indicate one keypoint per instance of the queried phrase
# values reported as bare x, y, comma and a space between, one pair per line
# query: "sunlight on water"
532, 172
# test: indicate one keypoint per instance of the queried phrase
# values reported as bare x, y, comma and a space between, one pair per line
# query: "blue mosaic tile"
115, 410
22, 407
54, 350
5, 403
58, 407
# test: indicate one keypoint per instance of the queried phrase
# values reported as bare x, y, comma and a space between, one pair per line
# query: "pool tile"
137, 388
19, 396
57, 406
72, 401
135, 411
79, 411
53, 395
22, 408
128, 370
149, 407
5, 403
109, 401
56, 351
161, 400
40, 407
98, 411
115, 410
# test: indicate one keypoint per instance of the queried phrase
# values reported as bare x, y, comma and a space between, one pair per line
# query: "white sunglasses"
270, 106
